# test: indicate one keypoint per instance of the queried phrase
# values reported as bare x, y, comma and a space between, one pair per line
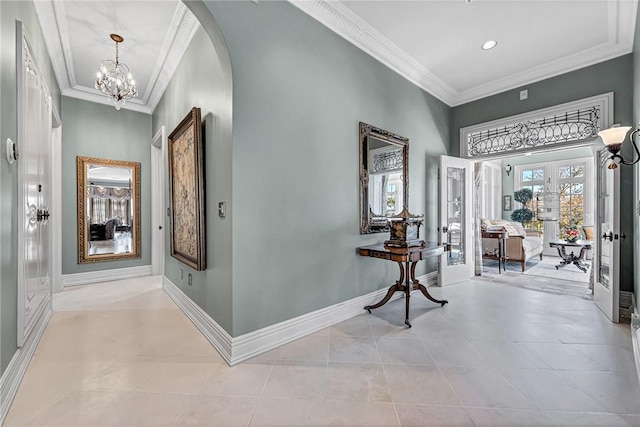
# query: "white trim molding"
603, 103
180, 32
76, 279
12, 376
214, 333
235, 350
347, 24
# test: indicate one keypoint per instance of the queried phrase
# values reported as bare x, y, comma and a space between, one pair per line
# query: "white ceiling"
156, 34
433, 43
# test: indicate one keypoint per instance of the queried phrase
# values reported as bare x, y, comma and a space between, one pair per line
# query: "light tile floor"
122, 354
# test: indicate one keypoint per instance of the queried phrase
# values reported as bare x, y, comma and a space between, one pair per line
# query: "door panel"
34, 177
455, 197
606, 290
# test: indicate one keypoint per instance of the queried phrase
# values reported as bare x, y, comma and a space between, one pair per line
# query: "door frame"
158, 150
56, 203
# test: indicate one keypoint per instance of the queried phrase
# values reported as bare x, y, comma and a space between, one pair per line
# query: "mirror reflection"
383, 177
108, 209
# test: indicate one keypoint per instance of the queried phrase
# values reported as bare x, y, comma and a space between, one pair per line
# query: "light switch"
524, 94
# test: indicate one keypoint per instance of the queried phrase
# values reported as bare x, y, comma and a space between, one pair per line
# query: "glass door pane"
455, 213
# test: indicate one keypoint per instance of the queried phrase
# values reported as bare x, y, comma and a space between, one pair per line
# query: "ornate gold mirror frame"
382, 154
108, 209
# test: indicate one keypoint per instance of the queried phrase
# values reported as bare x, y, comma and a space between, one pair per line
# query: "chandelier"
115, 80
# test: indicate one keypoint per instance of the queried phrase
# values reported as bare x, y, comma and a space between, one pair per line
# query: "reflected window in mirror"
108, 209
383, 177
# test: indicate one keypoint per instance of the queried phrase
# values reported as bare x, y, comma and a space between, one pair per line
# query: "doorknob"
608, 236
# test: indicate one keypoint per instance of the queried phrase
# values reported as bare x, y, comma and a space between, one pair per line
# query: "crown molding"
622, 18
180, 32
92, 95
341, 20
50, 25
345, 23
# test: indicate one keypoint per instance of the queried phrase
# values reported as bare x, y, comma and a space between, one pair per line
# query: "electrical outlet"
189, 282
181, 274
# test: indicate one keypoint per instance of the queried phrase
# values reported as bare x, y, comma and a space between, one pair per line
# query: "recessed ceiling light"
490, 44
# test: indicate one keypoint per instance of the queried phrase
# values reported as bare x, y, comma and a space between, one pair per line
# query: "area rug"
547, 268
542, 268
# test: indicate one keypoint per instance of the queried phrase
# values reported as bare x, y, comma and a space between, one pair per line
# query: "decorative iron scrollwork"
388, 161
572, 126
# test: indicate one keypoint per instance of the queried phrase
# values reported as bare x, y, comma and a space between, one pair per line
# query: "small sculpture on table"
404, 230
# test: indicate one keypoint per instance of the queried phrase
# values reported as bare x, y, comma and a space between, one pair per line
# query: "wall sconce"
508, 169
613, 139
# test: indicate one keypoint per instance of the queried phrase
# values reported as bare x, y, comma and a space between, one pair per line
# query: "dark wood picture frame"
186, 190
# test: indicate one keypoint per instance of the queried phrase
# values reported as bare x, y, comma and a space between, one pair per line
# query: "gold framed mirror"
384, 177
108, 209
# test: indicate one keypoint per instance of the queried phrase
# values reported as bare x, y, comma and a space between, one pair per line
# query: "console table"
502, 237
406, 258
571, 258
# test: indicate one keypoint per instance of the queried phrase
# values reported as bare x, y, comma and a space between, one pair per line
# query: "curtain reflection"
109, 202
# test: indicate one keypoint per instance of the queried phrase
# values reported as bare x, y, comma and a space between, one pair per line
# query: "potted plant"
523, 214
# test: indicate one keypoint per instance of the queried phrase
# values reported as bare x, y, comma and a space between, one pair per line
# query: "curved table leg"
418, 286
398, 287
407, 290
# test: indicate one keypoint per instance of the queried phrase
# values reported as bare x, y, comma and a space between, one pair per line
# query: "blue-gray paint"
295, 160
201, 80
96, 130
10, 11
615, 76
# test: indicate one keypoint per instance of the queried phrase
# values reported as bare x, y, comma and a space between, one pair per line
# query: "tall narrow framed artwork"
186, 187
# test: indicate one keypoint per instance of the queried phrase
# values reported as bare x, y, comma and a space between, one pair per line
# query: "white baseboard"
105, 275
213, 332
12, 376
235, 350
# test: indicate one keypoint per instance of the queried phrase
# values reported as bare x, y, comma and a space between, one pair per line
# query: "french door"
606, 289
456, 220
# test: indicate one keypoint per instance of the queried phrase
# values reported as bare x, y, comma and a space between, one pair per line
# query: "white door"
157, 203
455, 219
606, 290
34, 190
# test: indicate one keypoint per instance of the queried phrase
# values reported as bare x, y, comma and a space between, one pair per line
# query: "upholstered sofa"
521, 246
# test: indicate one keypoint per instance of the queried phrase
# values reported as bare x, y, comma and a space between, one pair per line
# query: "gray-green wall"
615, 76
10, 11
201, 81
299, 91
97, 130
